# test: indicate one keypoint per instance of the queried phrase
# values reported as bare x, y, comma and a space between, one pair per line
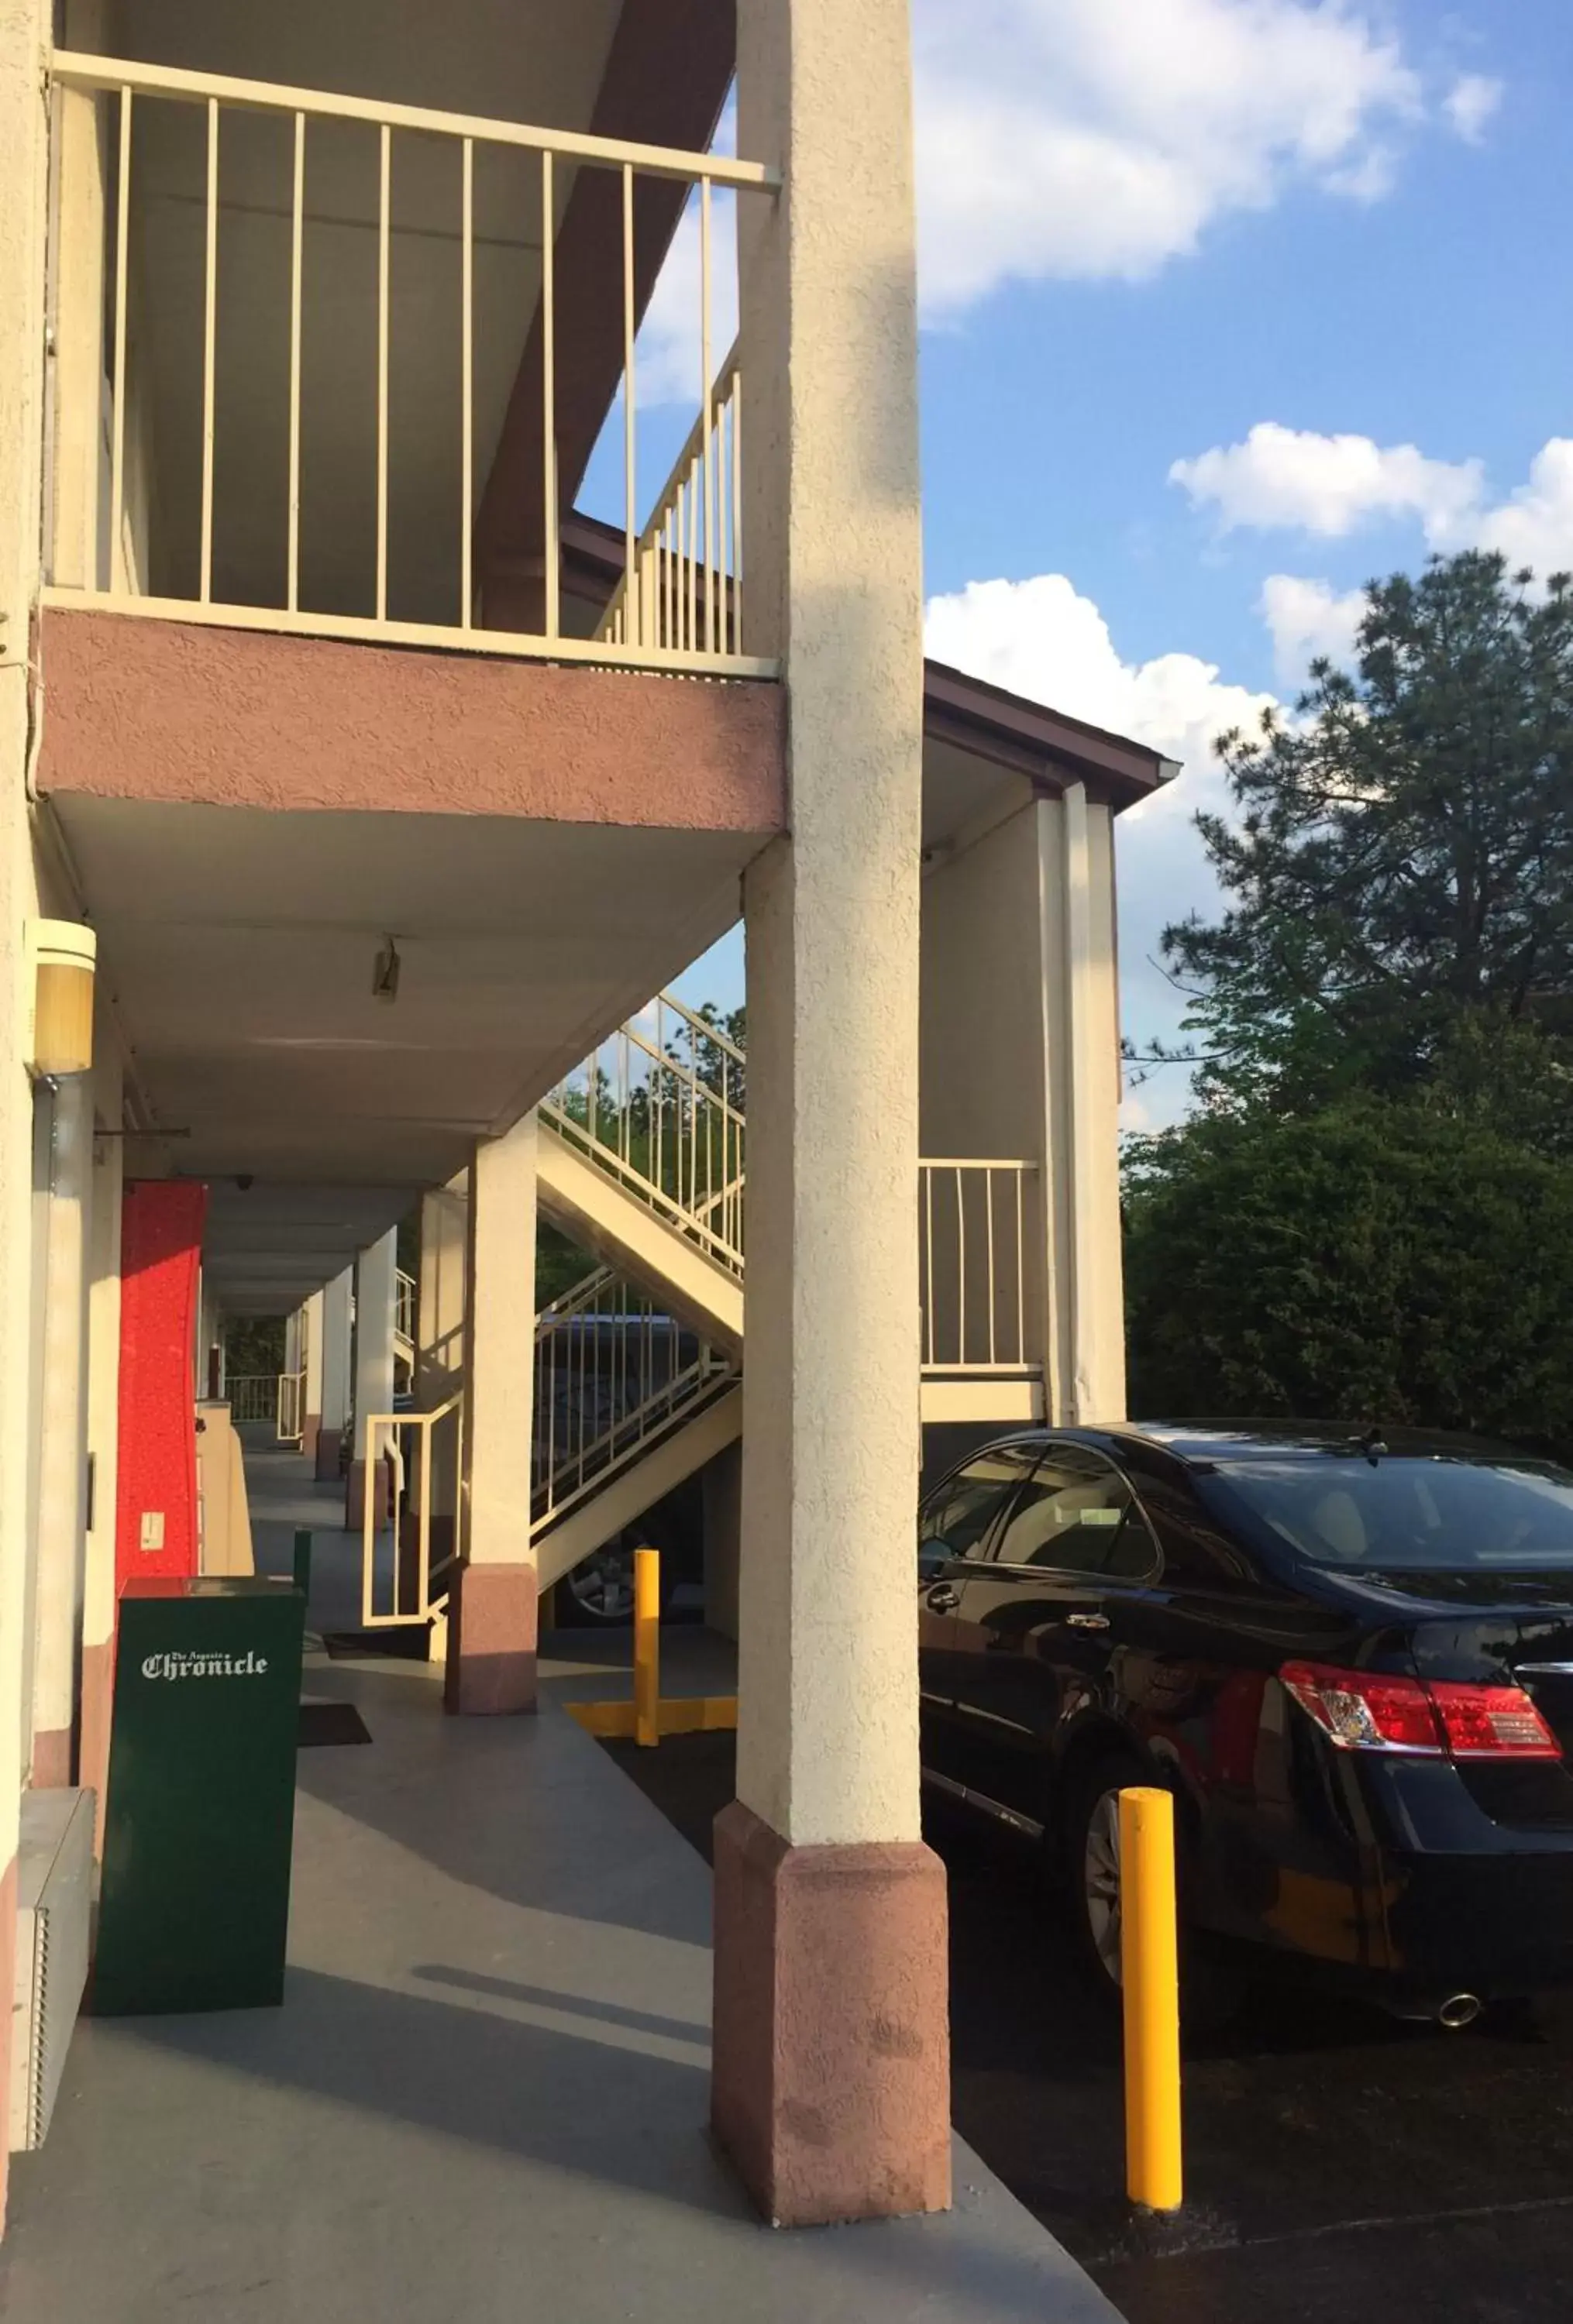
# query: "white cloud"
1534, 526
1471, 103
1095, 138
1329, 484
1042, 639
1309, 619
1085, 139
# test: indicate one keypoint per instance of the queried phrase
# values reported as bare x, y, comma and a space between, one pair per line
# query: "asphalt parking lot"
1337, 2164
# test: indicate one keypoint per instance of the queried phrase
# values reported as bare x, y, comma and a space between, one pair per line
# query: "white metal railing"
252, 1397
407, 1558
659, 1104
704, 634
976, 1273
406, 1292
681, 588
611, 1374
292, 1408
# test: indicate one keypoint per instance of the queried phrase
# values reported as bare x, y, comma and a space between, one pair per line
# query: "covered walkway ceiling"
241, 946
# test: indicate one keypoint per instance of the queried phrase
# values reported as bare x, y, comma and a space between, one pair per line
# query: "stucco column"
24, 27
1081, 984
831, 2083
335, 1407
493, 1608
103, 1425
62, 1432
311, 1393
374, 1271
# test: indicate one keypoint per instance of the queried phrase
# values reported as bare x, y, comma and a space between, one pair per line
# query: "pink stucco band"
831, 2082
194, 715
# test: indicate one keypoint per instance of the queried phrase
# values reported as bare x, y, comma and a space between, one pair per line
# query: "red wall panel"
161, 1248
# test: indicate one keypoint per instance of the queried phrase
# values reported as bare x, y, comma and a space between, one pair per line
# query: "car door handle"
1086, 1621
942, 1599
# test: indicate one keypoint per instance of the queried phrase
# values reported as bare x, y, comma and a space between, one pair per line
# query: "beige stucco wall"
439, 1309
61, 1422
24, 28
102, 1402
983, 1087
1020, 1046
982, 1037
312, 1337
827, 1739
335, 1381
375, 1273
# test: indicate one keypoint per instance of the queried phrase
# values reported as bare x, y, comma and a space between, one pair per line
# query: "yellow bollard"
1150, 1976
647, 1646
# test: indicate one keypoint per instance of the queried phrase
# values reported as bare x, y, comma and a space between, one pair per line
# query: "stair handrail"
410, 1444
577, 1450
664, 1121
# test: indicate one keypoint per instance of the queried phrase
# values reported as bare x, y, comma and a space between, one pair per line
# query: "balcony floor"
486, 2094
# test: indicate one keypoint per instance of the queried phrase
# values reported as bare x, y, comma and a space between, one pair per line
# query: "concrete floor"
486, 2094
1337, 2164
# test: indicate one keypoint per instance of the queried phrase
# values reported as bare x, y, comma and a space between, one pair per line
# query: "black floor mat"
331, 1722
406, 1641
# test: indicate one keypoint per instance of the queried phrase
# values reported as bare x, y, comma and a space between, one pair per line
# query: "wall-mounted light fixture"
65, 956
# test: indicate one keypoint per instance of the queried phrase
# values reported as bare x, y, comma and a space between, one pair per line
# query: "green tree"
1371, 1216
1378, 1262
1400, 868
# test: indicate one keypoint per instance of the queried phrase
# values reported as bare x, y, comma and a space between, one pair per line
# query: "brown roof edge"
1048, 746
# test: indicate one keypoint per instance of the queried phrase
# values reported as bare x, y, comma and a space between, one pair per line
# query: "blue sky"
1228, 305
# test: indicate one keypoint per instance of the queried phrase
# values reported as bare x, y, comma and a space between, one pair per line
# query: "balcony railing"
978, 1279
682, 587
242, 499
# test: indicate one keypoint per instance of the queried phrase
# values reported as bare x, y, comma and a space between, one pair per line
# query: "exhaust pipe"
1459, 2009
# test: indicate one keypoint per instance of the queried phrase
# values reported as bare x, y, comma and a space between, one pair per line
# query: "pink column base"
492, 1616
329, 1448
52, 1760
832, 2083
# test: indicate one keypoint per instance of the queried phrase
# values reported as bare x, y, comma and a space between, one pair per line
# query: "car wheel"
1092, 1868
600, 1588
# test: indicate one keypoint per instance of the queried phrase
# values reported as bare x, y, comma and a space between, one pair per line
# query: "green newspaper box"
195, 1901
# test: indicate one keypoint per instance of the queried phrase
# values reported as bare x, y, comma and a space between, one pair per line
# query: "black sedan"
1350, 1660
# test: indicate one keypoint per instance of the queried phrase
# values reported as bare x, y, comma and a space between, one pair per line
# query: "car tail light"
1483, 1722
1365, 1710
1372, 1711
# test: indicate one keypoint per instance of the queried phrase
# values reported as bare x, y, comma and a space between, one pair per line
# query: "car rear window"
1387, 1513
